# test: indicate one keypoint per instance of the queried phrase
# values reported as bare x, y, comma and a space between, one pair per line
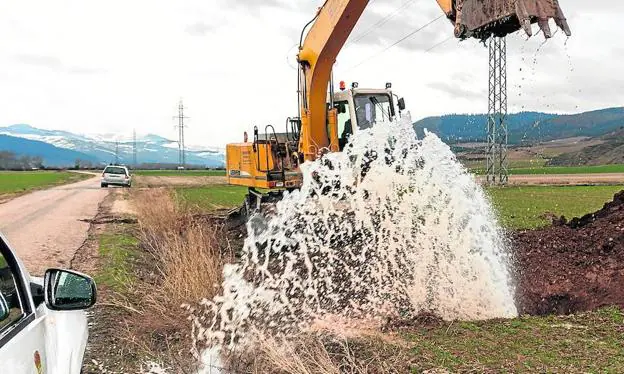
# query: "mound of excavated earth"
572, 266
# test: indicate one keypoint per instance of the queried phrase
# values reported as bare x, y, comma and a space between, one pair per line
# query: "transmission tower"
134, 149
116, 152
181, 150
497, 135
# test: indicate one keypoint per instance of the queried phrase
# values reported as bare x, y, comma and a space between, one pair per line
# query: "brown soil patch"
122, 204
169, 181
567, 179
575, 266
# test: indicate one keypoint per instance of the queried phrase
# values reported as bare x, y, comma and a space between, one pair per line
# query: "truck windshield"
114, 170
370, 109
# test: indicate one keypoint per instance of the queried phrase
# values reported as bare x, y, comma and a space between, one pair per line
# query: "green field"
524, 207
117, 250
14, 182
177, 173
600, 169
550, 170
583, 343
212, 197
517, 207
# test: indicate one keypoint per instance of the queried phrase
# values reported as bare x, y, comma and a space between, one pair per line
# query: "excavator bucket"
484, 18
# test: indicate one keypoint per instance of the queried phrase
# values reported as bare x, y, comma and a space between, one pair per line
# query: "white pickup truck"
43, 325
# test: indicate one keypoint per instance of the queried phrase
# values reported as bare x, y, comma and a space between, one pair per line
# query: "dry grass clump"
321, 354
189, 253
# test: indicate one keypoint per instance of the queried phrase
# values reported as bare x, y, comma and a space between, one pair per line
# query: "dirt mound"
572, 266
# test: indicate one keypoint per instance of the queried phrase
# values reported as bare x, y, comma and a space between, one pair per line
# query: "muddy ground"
572, 266
565, 268
568, 267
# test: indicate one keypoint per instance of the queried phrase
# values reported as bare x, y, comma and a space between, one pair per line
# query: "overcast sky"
109, 66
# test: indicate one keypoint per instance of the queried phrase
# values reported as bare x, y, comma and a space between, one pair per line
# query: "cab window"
370, 109
345, 127
9, 296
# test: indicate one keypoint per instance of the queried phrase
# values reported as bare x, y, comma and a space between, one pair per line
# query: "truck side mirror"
401, 104
68, 290
342, 108
4, 308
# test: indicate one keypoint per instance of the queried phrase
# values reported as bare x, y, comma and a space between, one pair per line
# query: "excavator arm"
333, 25
336, 19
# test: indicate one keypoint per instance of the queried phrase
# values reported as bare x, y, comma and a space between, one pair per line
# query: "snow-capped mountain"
150, 148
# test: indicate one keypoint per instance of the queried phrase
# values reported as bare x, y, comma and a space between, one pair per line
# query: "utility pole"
181, 150
497, 134
116, 152
134, 149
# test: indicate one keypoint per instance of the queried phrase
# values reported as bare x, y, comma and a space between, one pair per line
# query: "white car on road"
43, 326
116, 175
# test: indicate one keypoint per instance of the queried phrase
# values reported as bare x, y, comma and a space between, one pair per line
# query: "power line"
439, 44
398, 41
380, 23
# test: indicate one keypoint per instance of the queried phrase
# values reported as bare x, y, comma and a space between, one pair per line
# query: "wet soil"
572, 266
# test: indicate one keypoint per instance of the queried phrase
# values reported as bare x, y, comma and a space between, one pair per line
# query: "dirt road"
564, 179
45, 227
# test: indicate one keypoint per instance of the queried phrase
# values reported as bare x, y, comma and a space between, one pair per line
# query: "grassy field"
550, 170
117, 249
589, 342
524, 207
517, 207
570, 170
212, 197
13, 182
585, 342
178, 173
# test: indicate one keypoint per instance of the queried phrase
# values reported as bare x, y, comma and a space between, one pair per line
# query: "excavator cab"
362, 108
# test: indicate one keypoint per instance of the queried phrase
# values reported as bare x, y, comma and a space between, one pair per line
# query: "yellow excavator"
269, 163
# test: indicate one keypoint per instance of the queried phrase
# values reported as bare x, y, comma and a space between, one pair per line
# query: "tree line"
10, 161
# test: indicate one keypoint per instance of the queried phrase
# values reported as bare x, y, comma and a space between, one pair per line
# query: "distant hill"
525, 127
52, 156
611, 151
151, 148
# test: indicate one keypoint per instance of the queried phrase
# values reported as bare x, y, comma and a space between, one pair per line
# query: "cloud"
40, 61
200, 28
55, 64
456, 91
230, 59
85, 70
254, 4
